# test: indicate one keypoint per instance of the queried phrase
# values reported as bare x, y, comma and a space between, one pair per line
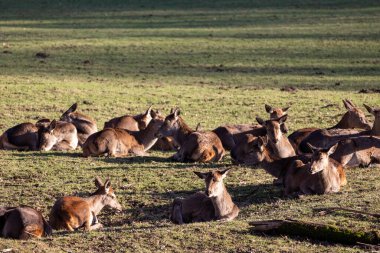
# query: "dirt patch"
369, 91
289, 89
7, 52
42, 55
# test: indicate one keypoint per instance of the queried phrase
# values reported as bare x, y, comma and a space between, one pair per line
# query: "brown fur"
20, 137
71, 213
213, 204
131, 123
58, 136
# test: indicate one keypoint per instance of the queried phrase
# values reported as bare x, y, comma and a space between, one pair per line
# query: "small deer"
213, 204
230, 135
61, 136
23, 136
117, 142
22, 222
280, 144
85, 124
202, 146
353, 118
71, 213
131, 123
320, 176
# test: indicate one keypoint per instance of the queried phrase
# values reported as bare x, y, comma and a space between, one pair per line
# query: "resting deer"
85, 124
117, 142
72, 212
326, 138
353, 118
131, 123
320, 176
22, 222
213, 204
202, 146
58, 136
230, 135
23, 136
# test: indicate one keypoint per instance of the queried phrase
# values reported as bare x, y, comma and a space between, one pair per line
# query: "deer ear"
347, 104
282, 119
268, 108
52, 125
200, 174
107, 184
260, 121
332, 149
98, 182
224, 172
176, 112
285, 109
369, 109
262, 142
149, 110
198, 127
311, 147
73, 108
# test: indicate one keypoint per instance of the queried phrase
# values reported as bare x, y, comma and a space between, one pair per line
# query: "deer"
117, 142
194, 146
85, 124
61, 136
215, 203
326, 138
131, 123
23, 223
353, 118
321, 175
72, 212
22, 137
230, 135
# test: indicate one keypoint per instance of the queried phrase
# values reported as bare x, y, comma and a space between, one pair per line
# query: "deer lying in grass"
213, 204
85, 124
23, 136
353, 118
201, 146
22, 222
72, 212
131, 123
117, 142
58, 136
326, 138
230, 135
321, 175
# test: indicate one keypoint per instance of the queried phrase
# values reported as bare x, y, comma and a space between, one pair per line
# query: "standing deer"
72, 212
230, 135
215, 203
59, 136
117, 142
201, 146
353, 118
85, 124
131, 123
326, 138
319, 176
22, 222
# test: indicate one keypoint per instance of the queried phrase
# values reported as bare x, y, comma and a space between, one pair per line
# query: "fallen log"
316, 231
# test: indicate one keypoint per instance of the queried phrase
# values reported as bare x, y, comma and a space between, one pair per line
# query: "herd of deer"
309, 161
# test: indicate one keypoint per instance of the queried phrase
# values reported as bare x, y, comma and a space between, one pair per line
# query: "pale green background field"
220, 61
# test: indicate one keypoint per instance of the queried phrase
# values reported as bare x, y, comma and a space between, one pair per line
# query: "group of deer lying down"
308, 161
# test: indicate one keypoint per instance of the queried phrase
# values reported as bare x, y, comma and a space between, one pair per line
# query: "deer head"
273, 127
107, 193
213, 181
354, 117
320, 158
47, 137
145, 119
171, 124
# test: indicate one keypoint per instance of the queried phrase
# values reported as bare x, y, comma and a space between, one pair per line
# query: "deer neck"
96, 203
282, 148
147, 136
271, 163
376, 127
183, 132
222, 203
343, 123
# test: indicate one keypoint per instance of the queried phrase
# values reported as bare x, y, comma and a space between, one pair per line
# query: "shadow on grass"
47, 154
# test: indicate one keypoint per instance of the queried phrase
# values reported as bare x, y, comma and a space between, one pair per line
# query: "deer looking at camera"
215, 203
117, 142
230, 135
353, 118
71, 213
85, 124
23, 136
22, 222
61, 136
194, 146
319, 176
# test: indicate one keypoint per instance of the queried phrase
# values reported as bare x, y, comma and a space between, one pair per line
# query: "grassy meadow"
220, 62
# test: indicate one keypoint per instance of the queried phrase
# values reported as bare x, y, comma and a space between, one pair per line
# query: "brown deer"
61, 136
213, 204
117, 142
201, 146
85, 124
23, 136
22, 222
326, 138
71, 212
230, 135
319, 176
353, 118
131, 123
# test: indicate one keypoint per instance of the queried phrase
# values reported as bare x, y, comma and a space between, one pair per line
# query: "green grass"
220, 61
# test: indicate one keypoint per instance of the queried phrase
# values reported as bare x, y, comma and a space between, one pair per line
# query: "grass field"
220, 61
